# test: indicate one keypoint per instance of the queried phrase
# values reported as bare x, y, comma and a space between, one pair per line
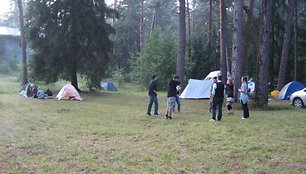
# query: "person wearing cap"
153, 96
217, 99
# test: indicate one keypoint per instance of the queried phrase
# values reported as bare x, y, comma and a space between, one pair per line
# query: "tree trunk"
209, 25
141, 26
286, 45
115, 8
73, 70
272, 56
295, 41
249, 36
261, 98
153, 20
188, 29
74, 78
23, 45
182, 42
223, 63
237, 45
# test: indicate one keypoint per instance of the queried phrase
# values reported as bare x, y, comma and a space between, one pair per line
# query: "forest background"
260, 39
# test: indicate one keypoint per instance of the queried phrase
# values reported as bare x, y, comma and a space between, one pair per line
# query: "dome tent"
108, 86
68, 92
290, 88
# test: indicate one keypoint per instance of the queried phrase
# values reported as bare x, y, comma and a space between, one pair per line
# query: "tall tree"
261, 98
209, 23
286, 45
237, 45
156, 7
249, 34
295, 41
127, 34
223, 62
115, 8
182, 41
141, 26
188, 21
70, 37
23, 44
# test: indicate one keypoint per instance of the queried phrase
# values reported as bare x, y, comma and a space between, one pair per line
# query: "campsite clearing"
110, 133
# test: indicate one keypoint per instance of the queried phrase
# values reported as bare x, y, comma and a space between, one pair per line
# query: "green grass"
110, 133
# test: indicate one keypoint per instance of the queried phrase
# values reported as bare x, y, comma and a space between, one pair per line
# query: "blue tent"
108, 86
290, 88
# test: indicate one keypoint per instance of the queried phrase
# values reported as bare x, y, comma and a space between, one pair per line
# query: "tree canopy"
69, 37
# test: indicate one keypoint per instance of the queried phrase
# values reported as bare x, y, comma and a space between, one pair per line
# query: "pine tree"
69, 37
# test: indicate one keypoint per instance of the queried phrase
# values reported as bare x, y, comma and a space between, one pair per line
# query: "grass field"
110, 133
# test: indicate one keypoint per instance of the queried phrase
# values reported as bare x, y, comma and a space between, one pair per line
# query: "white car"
298, 98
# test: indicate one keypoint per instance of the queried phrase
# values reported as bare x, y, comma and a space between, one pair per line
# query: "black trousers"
217, 103
245, 109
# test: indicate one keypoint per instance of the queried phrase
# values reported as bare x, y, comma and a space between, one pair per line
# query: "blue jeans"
178, 101
153, 99
217, 103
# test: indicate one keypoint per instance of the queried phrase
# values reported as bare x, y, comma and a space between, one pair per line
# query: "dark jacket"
152, 88
230, 90
172, 92
219, 93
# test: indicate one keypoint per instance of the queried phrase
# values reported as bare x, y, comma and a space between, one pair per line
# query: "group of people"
172, 96
218, 92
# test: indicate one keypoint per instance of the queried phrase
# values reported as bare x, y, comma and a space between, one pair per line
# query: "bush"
158, 56
8, 65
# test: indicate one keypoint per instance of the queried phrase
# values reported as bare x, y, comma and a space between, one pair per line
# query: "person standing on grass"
244, 97
211, 91
153, 96
230, 96
171, 94
218, 92
177, 99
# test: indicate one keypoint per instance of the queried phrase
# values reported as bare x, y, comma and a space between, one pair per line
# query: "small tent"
290, 88
68, 92
197, 89
108, 86
26, 89
213, 74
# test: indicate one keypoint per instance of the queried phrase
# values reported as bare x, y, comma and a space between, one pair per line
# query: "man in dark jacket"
153, 96
172, 93
218, 92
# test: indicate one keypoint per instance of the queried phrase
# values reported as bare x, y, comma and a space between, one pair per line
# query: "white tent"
68, 92
213, 74
197, 89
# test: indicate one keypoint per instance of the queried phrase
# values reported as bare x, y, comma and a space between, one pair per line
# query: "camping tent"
197, 89
25, 90
215, 74
108, 86
28, 90
68, 92
290, 88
